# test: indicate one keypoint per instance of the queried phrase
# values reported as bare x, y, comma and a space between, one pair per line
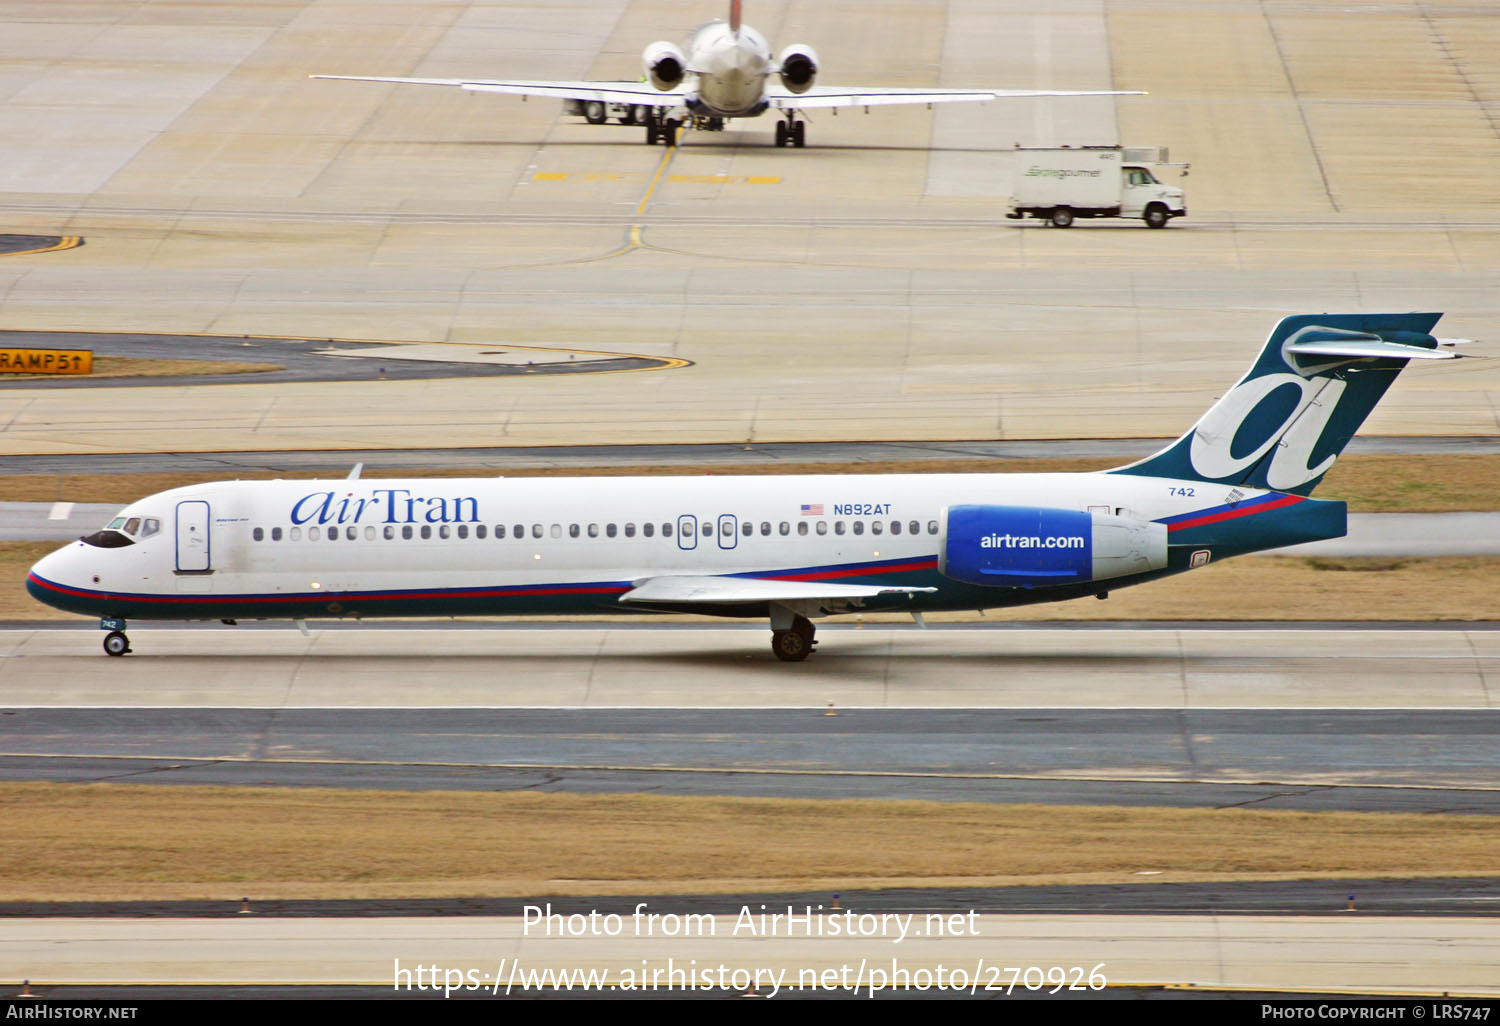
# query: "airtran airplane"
788, 549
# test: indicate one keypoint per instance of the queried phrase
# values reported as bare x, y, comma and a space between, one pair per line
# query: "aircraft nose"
51, 577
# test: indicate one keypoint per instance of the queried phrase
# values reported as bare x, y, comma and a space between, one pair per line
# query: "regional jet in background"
723, 71
789, 548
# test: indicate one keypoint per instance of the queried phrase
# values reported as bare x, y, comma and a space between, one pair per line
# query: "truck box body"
1087, 178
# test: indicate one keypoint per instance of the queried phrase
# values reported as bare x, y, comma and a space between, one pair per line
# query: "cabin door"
192, 537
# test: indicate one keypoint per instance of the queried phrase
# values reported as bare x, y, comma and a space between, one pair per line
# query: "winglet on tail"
1283, 425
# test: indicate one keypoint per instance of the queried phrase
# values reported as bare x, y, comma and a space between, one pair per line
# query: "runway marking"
65, 242
661, 168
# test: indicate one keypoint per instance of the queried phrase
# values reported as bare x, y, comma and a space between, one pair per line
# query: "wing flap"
740, 590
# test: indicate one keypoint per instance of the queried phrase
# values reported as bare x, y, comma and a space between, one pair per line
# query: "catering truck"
1058, 184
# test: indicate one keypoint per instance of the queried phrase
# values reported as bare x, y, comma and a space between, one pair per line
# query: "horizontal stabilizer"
1373, 347
739, 590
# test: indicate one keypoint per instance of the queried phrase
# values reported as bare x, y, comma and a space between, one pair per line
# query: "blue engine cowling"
1040, 547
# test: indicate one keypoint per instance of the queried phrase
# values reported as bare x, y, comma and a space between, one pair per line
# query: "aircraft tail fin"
1285, 422
734, 16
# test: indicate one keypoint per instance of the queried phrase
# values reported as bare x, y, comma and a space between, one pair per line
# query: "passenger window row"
407, 532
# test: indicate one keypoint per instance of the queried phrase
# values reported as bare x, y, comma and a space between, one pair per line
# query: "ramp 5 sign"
46, 361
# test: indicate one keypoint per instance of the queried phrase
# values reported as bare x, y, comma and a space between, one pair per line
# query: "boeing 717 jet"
787, 549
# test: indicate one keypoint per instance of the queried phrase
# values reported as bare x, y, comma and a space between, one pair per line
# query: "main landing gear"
115, 642
795, 643
791, 132
661, 130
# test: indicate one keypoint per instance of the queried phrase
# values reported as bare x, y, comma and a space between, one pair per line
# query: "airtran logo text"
385, 506
1031, 541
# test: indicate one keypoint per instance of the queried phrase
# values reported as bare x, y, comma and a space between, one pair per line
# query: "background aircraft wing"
819, 97
739, 590
606, 92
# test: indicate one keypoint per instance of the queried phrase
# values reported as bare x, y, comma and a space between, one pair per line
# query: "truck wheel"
1156, 216
594, 112
1062, 217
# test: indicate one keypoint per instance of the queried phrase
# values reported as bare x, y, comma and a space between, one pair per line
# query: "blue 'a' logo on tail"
1283, 425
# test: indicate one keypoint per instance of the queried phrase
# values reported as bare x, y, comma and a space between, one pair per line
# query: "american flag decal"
814, 510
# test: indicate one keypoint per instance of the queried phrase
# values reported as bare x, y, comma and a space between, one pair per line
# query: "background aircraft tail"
1283, 425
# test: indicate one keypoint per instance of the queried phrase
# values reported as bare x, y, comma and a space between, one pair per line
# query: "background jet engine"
798, 66
665, 65
1038, 547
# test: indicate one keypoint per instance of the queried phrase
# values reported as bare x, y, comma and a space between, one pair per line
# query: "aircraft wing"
820, 97
606, 92
740, 590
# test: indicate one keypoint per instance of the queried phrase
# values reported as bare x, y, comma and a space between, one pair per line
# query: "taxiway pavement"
1360, 954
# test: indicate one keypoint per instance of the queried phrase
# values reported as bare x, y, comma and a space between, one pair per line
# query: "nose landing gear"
115, 642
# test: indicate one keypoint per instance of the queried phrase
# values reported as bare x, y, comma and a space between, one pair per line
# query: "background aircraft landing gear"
791, 132
795, 645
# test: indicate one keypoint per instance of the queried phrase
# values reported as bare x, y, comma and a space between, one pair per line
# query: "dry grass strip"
86, 841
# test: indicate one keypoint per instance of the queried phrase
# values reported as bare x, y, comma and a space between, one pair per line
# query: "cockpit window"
123, 531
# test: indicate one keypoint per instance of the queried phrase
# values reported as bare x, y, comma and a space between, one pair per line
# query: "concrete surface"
588, 666
866, 287
1365, 953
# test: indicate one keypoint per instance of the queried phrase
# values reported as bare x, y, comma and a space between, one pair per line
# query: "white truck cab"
1059, 184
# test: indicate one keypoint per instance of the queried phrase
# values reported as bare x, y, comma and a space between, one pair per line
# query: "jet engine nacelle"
665, 65
1038, 547
798, 66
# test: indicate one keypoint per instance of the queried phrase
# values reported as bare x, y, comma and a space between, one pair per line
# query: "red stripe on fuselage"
1232, 514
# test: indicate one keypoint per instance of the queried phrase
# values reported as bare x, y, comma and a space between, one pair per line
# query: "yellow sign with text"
46, 361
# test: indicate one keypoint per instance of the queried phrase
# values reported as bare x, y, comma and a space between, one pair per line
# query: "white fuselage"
405, 547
